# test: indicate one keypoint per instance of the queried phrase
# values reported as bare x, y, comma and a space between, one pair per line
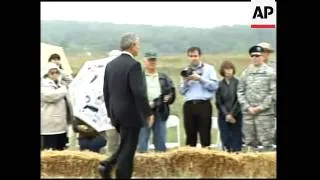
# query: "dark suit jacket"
226, 97
125, 92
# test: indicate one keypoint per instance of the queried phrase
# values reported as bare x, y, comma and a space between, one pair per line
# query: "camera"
157, 102
186, 73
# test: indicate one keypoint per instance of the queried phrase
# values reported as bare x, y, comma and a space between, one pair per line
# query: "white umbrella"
86, 91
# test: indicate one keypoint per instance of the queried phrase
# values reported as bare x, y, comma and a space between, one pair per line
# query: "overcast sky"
187, 14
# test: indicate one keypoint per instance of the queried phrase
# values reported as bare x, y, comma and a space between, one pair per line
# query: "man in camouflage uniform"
267, 52
255, 93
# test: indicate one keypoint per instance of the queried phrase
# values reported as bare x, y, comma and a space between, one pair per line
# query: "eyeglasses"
255, 55
54, 72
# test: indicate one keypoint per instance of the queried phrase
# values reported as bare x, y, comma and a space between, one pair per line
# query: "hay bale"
70, 163
259, 165
151, 165
240, 165
187, 161
220, 164
181, 162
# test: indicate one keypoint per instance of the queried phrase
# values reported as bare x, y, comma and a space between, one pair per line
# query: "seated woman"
56, 110
229, 110
89, 138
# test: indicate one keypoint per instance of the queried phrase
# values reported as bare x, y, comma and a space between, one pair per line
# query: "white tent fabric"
86, 91
47, 50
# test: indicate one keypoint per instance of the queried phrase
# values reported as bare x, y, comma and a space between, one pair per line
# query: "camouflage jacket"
273, 64
257, 87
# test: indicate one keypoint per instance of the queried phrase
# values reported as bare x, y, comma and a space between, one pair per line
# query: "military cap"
256, 50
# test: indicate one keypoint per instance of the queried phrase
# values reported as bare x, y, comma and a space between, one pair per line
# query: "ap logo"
264, 14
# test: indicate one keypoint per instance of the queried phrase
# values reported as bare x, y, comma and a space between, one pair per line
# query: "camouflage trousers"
258, 130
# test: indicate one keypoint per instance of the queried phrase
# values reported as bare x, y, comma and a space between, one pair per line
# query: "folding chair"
275, 130
217, 141
73, 139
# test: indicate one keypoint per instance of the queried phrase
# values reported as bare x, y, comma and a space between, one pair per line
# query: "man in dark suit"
127, 104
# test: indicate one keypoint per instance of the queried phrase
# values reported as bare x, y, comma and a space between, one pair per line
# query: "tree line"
103, 37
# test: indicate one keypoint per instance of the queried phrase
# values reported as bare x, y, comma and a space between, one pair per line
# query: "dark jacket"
167, 88
89, 133
125, 93
226, 97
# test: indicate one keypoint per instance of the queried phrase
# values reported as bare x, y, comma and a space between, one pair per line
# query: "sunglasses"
54, 72
193, 56
255, 55
152, 59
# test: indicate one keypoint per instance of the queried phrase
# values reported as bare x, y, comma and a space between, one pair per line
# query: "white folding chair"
217, 141
173, 121
73, 139
275, 130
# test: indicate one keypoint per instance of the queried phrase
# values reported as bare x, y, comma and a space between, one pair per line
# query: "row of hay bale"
181, 162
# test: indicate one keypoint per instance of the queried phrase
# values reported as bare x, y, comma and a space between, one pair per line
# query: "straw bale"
259, 165
186, 161
151, 165
241, 165
70, 163
220, 164
180, 162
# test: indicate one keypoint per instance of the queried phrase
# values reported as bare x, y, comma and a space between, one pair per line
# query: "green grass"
172, 65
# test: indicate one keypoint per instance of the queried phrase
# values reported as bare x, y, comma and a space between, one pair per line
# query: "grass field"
172, 65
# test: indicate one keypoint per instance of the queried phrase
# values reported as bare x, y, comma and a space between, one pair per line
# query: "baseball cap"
150, 55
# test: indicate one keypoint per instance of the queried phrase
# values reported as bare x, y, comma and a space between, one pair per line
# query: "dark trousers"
230, 134
197, 118
54, 142
124, 156
92, 143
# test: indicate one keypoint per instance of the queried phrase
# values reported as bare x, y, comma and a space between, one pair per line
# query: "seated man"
89, 138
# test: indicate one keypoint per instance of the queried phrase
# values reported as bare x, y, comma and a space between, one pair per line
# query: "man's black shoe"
105, 171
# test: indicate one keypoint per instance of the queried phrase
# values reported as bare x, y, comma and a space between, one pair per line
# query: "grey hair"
127, 40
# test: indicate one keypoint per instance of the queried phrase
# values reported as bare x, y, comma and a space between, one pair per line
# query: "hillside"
97, 37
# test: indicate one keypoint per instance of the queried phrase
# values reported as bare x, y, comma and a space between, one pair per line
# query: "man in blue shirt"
198, 85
